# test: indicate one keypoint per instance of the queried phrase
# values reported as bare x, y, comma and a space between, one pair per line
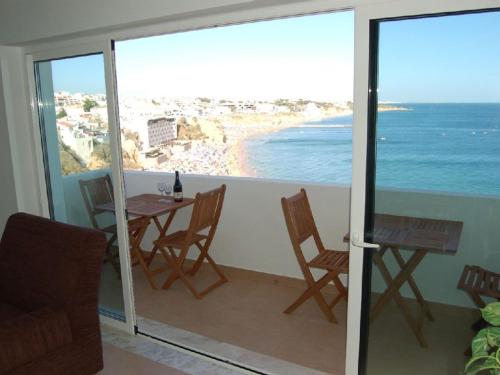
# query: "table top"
413, 233
149, 205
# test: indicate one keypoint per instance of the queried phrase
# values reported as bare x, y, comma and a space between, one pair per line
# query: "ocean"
434, 147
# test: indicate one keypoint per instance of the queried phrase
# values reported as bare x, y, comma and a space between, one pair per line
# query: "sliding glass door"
80, 168
432, 192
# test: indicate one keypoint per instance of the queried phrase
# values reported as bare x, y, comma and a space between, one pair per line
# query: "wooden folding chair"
477, 282
206, 213
98, 191
301, 226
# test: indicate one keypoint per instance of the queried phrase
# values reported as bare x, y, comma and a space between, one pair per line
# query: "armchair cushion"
31, 336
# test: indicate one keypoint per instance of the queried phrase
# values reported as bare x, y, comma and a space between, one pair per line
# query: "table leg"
392, 291
413, 285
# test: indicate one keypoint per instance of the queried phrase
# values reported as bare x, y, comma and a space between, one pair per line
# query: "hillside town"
198, 135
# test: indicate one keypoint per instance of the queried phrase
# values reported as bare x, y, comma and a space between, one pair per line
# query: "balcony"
243, 320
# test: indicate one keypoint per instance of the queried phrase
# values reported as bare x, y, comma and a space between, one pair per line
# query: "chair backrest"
300, 221
206, 211
96, 191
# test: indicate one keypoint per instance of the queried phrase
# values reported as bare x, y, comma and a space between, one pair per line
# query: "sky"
442, 59
79, 74
302, 57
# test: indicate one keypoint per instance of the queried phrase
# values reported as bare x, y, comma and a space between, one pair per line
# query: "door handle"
356, 241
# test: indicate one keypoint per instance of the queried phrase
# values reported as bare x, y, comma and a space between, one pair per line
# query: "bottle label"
178, 195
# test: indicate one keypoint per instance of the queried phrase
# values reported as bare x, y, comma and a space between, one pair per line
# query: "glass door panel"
196, 102
435, 189
77, 158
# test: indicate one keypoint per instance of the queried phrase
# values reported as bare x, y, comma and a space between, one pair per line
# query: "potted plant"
486, 344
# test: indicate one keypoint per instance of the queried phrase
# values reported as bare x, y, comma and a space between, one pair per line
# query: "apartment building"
161, 130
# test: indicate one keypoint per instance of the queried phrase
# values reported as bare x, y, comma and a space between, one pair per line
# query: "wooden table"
152, 206
421, 236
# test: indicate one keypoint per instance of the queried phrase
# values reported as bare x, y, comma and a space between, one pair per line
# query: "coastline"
259, 125
238, 151
220, 150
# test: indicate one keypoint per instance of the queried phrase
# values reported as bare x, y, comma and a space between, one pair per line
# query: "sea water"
434, 147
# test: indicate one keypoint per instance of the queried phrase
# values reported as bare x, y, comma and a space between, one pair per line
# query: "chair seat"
176, 240
133, 225
137, 223
481, 281
331, 260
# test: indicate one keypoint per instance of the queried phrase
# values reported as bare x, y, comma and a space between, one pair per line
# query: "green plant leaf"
478, 364
493, 336
497, 356
480, 343
491, 313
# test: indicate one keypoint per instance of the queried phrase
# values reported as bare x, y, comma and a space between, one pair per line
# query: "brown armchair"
49, 280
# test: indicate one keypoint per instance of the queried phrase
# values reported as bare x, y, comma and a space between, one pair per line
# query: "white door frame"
116, 160
364, 14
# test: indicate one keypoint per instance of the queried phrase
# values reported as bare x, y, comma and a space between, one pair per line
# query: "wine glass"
168, 189
161, 187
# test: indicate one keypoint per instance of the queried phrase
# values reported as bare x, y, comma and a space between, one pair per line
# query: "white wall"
8, 201
252, 232
18, 128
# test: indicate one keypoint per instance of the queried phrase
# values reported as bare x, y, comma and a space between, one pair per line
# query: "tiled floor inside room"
119, 361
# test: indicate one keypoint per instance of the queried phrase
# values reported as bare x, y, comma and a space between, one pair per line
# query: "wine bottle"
177, 188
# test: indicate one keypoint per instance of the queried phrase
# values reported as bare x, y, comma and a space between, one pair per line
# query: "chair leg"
197, 264
216, 267
314, 290
111, 258
222, 277
170, 258
199, 261
342, 291
476, 298
138, 254
177, 273
340, 287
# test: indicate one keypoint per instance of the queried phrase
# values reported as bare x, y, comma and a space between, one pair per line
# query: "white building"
161, 130
84, 146
76, 139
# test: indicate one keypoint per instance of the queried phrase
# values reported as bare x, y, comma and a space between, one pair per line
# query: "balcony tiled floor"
246, 312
